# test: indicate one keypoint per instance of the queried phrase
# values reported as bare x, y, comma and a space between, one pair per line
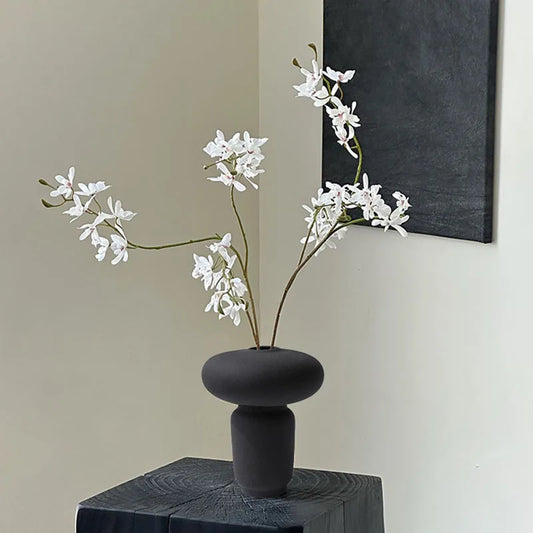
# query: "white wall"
425, 341
100, 365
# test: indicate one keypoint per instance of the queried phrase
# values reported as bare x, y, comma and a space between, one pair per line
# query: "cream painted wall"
99, 366
425, 341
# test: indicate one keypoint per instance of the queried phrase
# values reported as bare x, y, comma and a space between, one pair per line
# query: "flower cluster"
238, 160
330, 212
343, 117
216, 274
86, 203
243, 156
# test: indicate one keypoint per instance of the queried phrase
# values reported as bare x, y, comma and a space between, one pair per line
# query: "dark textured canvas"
425, 90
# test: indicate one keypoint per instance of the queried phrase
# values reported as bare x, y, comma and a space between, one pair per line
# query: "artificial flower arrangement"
237, 160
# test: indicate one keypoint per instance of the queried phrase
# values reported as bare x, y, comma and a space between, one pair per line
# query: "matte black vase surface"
262, 383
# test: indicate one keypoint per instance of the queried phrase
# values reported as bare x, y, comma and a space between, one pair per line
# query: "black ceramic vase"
262, 383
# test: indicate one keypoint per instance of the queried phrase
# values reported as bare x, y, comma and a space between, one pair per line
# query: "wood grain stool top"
199, 496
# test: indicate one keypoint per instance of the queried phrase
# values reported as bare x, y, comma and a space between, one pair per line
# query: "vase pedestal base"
262, 441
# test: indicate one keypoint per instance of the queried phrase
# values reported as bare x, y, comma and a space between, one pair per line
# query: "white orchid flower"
217, 298
401, 201
238, 287
214, 301
222, 247
65, 184
233, 311
252, 146
102, 245
227, 178
90, 229
91, 189
342, 114
305, 90
228, 300
248, 172
344, 137
342, 77
202, 265
219, 148
321, 220
119, 246
313, 76
340, 198
118, 212
203, 268
323, 97
227, 306
312, 79
369, 198
78, 209
391, 220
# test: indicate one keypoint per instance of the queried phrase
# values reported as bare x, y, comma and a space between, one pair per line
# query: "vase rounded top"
268, 377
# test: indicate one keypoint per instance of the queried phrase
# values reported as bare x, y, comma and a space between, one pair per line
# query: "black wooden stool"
199, 496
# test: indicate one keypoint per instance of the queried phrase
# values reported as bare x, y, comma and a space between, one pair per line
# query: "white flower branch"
330, 212
237, 161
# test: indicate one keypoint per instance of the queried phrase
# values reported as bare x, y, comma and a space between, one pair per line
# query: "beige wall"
425, 341
99, 365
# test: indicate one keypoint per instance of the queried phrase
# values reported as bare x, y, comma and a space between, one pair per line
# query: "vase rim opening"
265, 348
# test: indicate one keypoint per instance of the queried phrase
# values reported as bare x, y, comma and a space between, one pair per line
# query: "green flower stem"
48, 204
97, 203
307, 237
351, 223
206, 167
241, 227
328, 84
299, 268
253, 323
244, 266
360, 165
134, 246
357, 144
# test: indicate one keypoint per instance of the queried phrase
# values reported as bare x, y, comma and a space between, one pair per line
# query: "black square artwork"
425, 90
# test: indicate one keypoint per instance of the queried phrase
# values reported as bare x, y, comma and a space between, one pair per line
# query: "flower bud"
313, 47
47, 204
296, 63
44, 182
